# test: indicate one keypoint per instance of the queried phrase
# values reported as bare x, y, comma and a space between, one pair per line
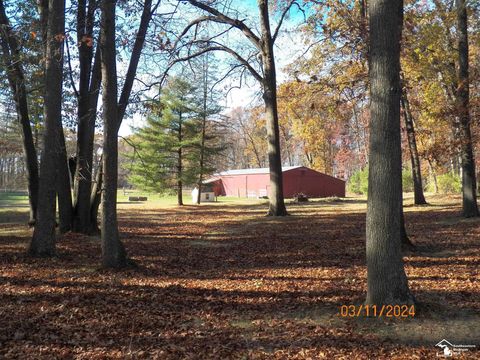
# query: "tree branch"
70, 72
222, 18
134, 59
217, 47
282, 17
192, 24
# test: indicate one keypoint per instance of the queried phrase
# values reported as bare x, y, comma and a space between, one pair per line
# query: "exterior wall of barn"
298, 180
251, 185
311, 183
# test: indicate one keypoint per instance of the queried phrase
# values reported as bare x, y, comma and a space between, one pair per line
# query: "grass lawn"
221, 281
13, 208
13, 197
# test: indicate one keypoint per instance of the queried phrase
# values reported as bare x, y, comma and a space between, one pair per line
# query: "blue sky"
289, 45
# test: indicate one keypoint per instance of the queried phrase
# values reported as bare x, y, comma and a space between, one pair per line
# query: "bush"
407, 180
358, 182
448, 183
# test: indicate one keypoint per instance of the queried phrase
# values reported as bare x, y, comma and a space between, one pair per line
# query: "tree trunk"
204, 127
179, 164
113, 252
433, 175
287, 148
469, 186
16, 79
179, 193
43, 240
87, 103
95, 199
200, 176
419, 197
63, 187
86, 133
406, 242
277, 204
124, 97
386, 279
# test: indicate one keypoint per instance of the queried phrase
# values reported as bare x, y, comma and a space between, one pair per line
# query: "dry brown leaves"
219, 282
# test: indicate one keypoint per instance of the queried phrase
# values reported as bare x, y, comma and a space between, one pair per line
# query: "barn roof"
254, 171
219, 175
247, 172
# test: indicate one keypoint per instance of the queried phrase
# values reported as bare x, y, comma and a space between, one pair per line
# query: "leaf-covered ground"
221, 282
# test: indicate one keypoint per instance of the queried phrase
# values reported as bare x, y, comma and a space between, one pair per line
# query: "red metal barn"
296, 179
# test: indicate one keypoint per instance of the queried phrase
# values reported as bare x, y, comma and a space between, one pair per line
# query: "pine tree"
180, 143
210, 142
167, 146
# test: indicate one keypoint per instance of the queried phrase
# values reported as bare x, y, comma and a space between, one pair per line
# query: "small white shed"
207, 195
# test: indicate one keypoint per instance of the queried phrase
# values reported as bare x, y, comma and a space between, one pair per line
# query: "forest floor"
223, 281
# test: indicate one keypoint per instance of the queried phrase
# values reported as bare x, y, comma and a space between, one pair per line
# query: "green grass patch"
13, 198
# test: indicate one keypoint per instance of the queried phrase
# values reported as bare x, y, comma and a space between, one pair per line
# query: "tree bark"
179, 193
63, 185
43, 240
201, 163
469, 186
277, 204
204, 127
113, 252
16, 80
406, 242
433, 174
95, 195
62, 179
43, 13
84, 168
386, 279
95, 200
89, 85
124, 96
419, 197
287, 148
179, 163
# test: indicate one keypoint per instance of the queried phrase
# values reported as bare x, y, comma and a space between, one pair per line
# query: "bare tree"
204, 115
87, 197
266, 75
113, 252
386, 279
147, 13
43, 240
62, 177
419, 197
87, 96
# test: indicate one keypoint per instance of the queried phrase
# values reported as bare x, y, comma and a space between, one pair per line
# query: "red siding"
298, 180
252, 185
311, 183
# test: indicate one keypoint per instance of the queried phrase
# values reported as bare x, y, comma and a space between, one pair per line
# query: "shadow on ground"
227, 282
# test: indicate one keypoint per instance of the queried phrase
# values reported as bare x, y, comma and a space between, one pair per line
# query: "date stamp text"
388, 311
